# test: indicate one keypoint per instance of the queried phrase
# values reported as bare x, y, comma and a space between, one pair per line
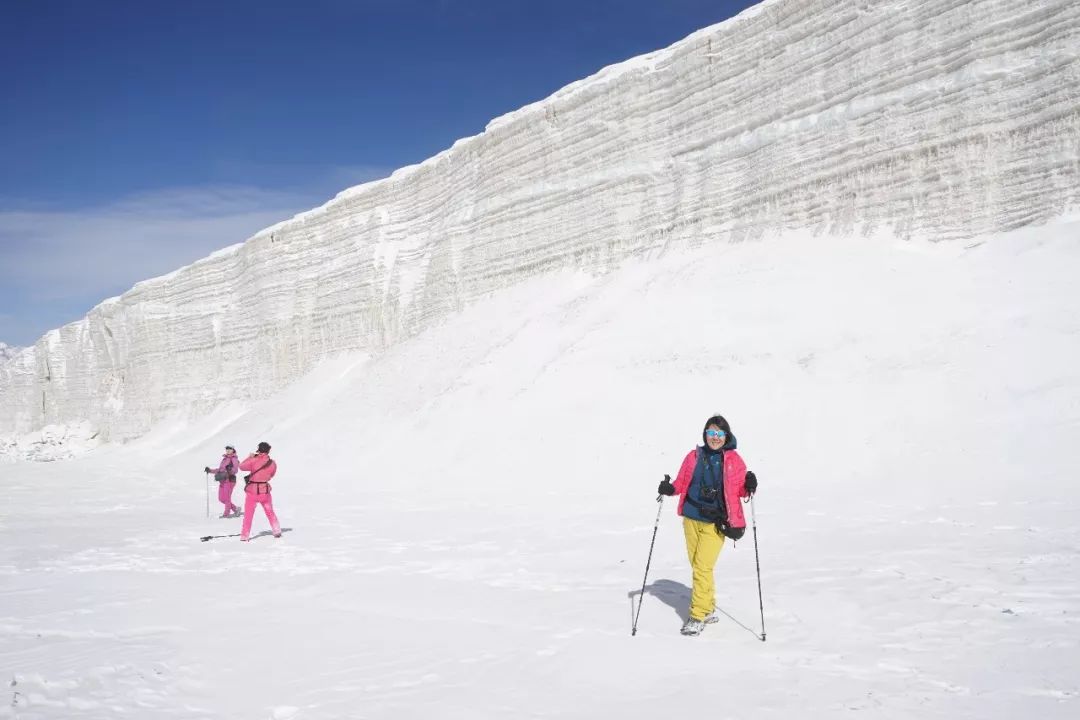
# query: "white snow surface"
942, 120
468, 515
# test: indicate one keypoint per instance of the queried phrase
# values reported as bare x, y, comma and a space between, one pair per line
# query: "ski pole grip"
660, 498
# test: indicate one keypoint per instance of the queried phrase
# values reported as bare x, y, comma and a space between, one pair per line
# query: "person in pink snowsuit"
226, 480
260, 468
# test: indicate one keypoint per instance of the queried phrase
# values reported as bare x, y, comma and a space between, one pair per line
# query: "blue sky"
139, 136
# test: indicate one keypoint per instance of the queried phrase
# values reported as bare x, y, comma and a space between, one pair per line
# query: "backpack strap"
247, 478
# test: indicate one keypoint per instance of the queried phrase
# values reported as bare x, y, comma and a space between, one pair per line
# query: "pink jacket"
229, 465
734, 484
259, 474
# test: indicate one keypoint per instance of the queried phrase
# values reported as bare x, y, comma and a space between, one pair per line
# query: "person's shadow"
677, 596
673, 594
269, 533
256, 536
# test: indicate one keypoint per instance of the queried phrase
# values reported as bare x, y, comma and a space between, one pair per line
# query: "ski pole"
207, 495
757, 562
660, 501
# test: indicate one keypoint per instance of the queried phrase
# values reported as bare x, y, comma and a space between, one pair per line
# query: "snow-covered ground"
468, 515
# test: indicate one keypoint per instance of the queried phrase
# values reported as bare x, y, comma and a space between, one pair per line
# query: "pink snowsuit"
257, 491
229, 466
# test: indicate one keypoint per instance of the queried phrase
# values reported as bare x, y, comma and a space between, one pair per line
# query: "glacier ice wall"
938, 119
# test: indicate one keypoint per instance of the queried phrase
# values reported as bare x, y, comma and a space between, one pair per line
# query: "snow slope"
468, 515
938, 119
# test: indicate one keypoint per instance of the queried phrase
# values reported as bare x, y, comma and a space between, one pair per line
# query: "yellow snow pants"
703, 543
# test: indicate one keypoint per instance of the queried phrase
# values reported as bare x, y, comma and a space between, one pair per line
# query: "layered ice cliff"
936, 119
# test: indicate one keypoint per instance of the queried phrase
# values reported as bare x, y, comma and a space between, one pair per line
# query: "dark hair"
264, 447
720, 422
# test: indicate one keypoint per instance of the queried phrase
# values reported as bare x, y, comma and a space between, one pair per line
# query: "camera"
708, 494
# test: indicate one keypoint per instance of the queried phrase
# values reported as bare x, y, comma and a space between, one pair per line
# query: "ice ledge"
50, 443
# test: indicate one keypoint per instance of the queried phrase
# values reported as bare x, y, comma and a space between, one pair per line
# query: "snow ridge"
939, 120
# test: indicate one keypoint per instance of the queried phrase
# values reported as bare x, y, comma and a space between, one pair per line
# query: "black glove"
665, 487
206, 469
751, 482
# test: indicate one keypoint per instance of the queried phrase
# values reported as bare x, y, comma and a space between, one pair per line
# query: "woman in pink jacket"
711, 483
226, 479
260, 468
